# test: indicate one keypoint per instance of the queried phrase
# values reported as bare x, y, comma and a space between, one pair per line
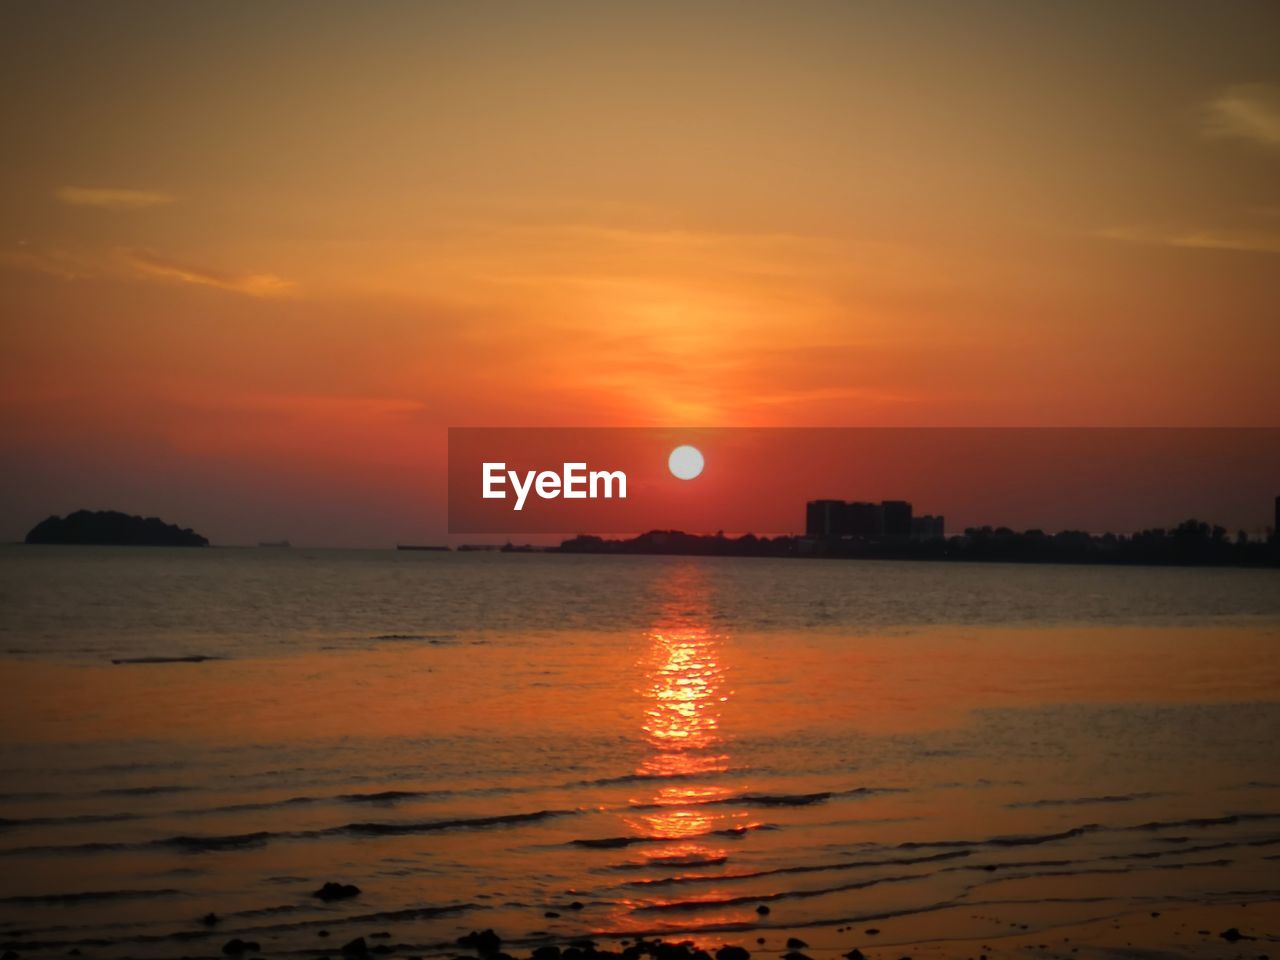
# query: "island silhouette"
112, 528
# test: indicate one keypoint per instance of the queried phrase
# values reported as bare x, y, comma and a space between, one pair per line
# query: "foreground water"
964, 758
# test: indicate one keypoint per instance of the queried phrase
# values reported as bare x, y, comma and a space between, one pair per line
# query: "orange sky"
255, 260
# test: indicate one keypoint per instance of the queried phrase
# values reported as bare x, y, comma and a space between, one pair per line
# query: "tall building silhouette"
863, 520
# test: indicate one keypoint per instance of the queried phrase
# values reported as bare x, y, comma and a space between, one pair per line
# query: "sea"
911, 758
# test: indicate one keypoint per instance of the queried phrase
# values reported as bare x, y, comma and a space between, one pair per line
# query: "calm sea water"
565, 746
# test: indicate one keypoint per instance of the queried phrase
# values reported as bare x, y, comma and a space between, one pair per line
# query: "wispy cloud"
124, 263
150, 264
1244, 241
1246, 111
112, 198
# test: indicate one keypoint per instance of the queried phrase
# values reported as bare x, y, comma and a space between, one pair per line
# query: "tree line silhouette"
1190, 543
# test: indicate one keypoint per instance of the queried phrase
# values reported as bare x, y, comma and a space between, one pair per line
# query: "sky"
256, 259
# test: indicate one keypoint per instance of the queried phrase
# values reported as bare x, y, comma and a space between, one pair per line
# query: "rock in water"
337, 891
356, 948
484, 942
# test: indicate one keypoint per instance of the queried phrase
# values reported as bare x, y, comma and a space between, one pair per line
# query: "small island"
111, 527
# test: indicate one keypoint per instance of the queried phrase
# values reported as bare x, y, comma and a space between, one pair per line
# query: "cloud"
1246, 111
137, 264
150, 264
1243, 241
110, 198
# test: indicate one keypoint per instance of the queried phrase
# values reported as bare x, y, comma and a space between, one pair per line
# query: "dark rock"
762, 910
795, 955
356, 948
322, 933
871, 931
337, 891
732, 953
210, 920
545, 953
551, 915
383, 948
586, 946
576, 905
235, 946
111, 527
795, 943
856, 954
484, 942
1231, 935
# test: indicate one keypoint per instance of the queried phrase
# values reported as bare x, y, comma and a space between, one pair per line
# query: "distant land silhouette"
111, 527
1191, 543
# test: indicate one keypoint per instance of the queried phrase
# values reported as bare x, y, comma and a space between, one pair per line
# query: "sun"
685, 462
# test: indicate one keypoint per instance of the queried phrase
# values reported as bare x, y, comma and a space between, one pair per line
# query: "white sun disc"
685, 462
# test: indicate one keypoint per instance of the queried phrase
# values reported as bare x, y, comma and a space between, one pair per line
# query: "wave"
240, 841
194, 658
10, 822
800, 868
144, 791
436, 639
674, 860
642, 778
432, 825
781, 895
606, 843
1228, 820
775, 799
1009, 841
88, 896
1085, 801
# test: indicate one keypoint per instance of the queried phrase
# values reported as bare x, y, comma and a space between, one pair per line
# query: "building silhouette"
928, 527
862, 520
824, 518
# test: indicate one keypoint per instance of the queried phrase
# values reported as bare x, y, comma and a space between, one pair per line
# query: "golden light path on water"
684, 688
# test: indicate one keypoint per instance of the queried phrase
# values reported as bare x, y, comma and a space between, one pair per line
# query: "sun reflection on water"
684, 688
